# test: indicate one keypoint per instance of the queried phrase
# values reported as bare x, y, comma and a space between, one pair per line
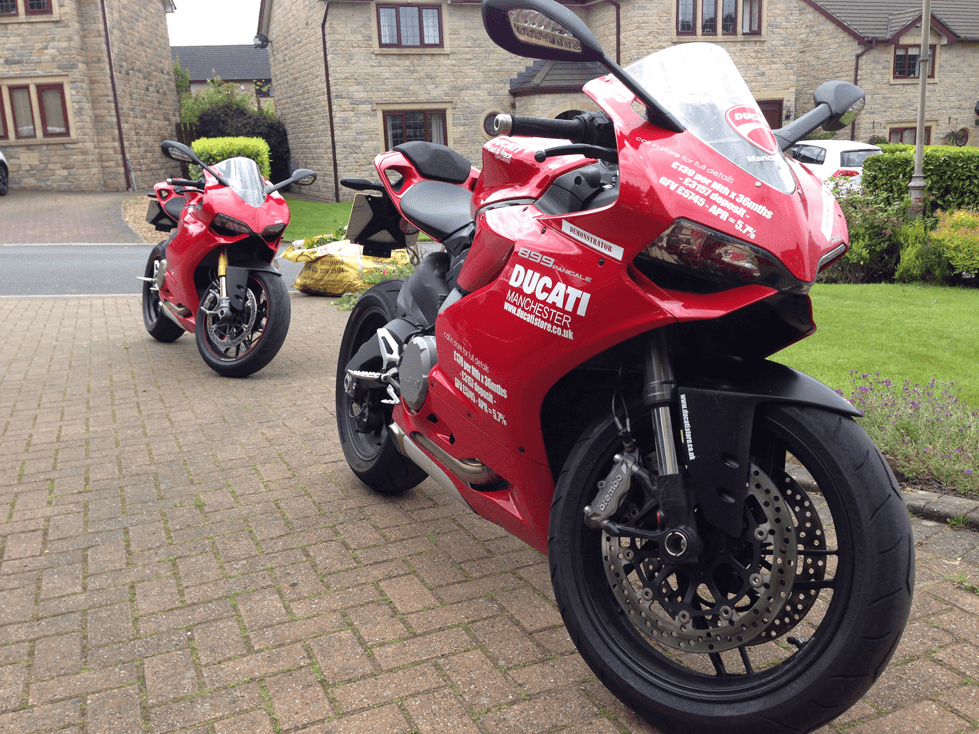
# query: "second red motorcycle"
214, 277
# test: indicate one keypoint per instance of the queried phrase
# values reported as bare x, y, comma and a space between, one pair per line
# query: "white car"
835, 159
4, 175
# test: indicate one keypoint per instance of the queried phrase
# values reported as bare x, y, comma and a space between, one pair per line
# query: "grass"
903, 354
903, 332
313, 218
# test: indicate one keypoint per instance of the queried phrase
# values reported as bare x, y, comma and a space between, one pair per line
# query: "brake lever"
609, 155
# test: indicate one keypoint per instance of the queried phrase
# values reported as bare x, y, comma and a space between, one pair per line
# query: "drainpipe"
856, 77
618, 30
126, 168
329, 108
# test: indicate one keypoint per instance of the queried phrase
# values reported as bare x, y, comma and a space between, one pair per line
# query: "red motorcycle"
214, 276
586, 365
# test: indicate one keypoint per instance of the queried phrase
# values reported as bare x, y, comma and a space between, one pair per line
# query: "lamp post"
916, 189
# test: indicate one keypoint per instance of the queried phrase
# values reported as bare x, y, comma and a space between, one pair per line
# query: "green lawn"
313, 218
904, 332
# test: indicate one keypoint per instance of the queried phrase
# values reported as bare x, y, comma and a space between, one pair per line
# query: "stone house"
876, 44
245, 66
355, 77
86, 93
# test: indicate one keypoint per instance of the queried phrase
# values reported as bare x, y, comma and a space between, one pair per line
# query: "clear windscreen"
701, 86
244, 178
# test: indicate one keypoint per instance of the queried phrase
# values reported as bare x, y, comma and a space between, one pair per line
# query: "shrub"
215, 150
957, 235
231, 120
217, 94
921, 259
875, 247
929, 429
952, 175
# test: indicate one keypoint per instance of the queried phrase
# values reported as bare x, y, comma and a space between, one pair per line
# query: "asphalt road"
82, 269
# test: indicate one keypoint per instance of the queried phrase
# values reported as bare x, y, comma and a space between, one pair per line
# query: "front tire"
362, 418
157, 323
665, 641
250, 338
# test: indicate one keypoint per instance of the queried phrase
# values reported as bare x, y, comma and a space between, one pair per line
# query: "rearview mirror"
540, 29
179, 152
303, 176
845, 102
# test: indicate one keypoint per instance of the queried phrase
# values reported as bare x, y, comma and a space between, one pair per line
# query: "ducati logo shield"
751, 125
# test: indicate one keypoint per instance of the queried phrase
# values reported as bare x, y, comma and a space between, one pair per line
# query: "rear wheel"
4, 180
362, 417
157, 323
780, 629
248, 339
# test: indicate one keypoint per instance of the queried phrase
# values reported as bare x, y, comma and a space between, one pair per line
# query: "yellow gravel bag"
337, 267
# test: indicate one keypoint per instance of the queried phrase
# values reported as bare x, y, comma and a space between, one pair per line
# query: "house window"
409, 26
751, 17
906, 64
8, 7
403, 127
729, 17
22, 112
907, 135
34, 111
38, 7
54, 118
707, 17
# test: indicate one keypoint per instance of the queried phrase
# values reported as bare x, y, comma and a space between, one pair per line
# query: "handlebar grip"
539, 127
183, 182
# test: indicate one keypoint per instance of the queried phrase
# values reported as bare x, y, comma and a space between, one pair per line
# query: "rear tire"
254, 335
157, 323
4, 180
841, 603
362, 420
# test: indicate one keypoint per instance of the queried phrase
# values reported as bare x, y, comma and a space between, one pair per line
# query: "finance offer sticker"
751, 125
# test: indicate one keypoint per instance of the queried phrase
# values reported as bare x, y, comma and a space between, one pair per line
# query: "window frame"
404, 112
905, 128
47, 10
4, 128
698, 14
60, 88
746, 17
15, 13
13, 112
932, 52
398, 7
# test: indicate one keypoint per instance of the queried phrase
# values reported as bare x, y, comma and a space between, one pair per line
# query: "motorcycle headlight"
721, 258
273, 232
225, 225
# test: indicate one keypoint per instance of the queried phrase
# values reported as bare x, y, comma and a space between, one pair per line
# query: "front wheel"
363, 417
247, 340
778, 630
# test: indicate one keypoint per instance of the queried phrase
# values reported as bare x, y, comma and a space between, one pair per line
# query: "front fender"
717, 412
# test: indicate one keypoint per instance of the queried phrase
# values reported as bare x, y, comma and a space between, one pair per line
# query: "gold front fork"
223, 271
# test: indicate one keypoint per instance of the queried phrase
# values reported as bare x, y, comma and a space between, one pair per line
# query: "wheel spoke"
745, 661
814, 585
715, 658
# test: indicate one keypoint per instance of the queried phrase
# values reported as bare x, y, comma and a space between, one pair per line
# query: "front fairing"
244, 199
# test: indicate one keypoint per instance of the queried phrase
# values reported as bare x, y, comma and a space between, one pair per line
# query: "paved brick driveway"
187, 553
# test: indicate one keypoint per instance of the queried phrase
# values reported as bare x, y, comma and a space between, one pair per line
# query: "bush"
231, 120
217, 94
957, 235
215, 150
922, 259
952, 174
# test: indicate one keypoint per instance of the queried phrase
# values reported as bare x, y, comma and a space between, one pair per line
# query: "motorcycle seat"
173, 206
437, 208
437, 162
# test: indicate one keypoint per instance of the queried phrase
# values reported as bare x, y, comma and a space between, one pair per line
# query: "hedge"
231, 120
215, 150
952, 175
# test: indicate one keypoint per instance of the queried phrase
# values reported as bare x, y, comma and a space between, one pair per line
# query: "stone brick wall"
69, 48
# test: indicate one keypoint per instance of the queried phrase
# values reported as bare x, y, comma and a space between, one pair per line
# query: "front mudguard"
717, 412
236, 278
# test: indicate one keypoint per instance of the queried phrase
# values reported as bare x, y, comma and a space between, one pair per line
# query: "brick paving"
186, 553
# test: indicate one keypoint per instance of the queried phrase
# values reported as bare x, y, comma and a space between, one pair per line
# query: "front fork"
665, 492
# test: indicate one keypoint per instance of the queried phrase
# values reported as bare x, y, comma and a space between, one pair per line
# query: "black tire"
4, 180
851, 606
157, 323
253, 336
362, 420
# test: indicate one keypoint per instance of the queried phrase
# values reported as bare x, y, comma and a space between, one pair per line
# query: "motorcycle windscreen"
701, 86
245, 179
